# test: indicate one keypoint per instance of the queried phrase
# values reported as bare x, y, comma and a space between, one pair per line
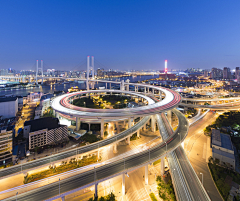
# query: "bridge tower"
90, 68
39, 69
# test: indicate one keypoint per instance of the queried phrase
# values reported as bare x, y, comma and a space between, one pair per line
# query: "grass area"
219, 175
48, 112
91, 138
165, 190
109, 197
64, 167
153, 197
103, 102
134, 137
156, 162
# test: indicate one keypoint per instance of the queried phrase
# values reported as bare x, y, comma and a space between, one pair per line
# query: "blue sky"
122, 34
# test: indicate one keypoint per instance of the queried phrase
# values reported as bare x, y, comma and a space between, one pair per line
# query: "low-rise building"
222, 148
6, 135
8, 106
44, 131
38, 112
45, 101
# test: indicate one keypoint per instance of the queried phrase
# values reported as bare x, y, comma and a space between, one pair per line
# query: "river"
64, 87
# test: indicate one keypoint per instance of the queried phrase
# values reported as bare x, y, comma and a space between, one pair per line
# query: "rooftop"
7, 99
43, 123
221, 140
226, 141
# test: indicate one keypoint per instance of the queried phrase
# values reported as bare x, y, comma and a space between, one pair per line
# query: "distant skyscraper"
237, 71
205, 73
216, 73
226, 73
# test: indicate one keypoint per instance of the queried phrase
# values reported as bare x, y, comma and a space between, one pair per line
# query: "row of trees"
219, 175
65, 166
165, 190
109, 197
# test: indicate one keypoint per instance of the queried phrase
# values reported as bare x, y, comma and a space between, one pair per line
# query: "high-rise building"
226, 73
216, 73
205, 73
237, 71
6, 144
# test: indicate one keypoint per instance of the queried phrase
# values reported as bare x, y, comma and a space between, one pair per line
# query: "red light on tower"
165, 66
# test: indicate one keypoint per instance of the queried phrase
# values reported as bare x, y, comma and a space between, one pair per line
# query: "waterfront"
65, 87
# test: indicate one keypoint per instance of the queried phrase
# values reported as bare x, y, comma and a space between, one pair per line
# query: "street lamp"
59, 186
180, 136
202, 177
166, 147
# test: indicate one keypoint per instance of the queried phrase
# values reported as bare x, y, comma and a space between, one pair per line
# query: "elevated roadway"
105, 172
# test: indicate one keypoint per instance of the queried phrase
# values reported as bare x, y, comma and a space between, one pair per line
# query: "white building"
5, 145
44, 131
8, 106
222, 148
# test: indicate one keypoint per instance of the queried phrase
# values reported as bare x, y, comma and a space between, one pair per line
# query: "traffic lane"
195, 186
198, 161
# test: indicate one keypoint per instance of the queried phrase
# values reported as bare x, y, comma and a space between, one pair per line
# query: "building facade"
222, 149
216, 73
8, 106
44, 131
5, 145
226, 73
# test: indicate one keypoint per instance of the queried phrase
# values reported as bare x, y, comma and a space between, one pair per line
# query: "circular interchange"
172, 99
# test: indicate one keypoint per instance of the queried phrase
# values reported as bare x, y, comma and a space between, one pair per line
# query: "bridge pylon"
39, 69
90, 68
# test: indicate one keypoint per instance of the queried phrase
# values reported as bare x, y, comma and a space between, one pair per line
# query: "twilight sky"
121, 34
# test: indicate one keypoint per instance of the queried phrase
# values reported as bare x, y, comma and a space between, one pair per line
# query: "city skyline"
121, 35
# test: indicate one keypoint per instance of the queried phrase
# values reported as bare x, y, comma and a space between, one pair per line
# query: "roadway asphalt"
196, 149
212, 107
106, 170
186, 183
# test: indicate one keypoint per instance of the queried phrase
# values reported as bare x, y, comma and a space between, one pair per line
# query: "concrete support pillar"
115, 148
160, 95
117, 126
98, 153
129, 122
89, 126
122, 87
145, 90
153, 91
78, 123
102, 128
169, 116
138, 133
145, 127
63, 198
57, 115
162, 171
146, 174
135, 88
153, 123
123, 184
148, 89
128, 140
96, 190
110, 85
